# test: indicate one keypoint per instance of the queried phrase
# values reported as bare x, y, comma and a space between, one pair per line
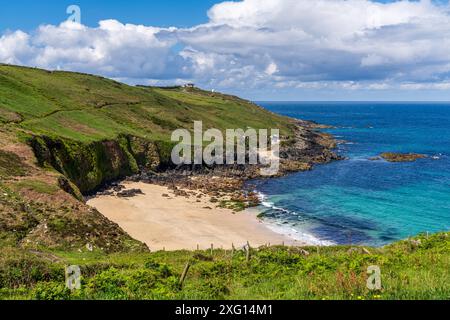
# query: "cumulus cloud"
329, 40
259, 44
112, 49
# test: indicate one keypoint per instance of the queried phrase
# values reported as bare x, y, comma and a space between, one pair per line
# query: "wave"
438, 156
296, 234
288, 229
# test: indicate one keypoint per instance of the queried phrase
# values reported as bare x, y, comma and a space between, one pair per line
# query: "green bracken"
410, 269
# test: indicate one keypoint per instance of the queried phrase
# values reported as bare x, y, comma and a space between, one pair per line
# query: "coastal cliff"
65, 135
71, 133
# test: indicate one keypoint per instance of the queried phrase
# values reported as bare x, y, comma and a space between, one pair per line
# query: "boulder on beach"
129, 193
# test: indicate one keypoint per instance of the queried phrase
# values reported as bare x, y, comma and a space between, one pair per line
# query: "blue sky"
28, 14
259, 49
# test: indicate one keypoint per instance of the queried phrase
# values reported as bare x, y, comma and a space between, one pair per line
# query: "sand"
178, 223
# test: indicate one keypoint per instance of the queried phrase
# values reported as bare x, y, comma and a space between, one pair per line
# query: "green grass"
88, 108
82, 125
10, 165
37, 186
335, 273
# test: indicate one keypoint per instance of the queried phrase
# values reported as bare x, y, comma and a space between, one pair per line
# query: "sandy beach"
164, 221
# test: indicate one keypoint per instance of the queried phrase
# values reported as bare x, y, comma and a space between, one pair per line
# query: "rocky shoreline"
224, 185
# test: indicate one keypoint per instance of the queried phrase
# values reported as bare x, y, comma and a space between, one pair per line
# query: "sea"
360, 201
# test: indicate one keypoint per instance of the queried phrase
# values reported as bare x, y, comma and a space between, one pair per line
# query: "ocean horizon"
358, 200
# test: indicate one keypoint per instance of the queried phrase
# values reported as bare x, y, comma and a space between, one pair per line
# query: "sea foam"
290, 230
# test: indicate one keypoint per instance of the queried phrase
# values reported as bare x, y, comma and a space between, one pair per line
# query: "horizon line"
352, 101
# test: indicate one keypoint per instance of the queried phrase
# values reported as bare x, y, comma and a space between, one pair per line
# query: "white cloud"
328, 40
350, 44
271, 69
14, 48
112, 49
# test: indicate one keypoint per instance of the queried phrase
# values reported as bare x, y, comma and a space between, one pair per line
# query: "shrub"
27, 271
109, 284
51, 291
162, 269
214, 289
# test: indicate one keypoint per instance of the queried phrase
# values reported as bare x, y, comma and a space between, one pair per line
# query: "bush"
215, 289
135, 284
51, 291
110, 284
162, 269
27, 271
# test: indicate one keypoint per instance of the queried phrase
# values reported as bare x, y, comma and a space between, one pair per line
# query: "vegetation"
63, 134
10, 165
94, 130
410, 269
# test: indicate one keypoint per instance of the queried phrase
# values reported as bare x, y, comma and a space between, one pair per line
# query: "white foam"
437, 156
289, 230
298, 235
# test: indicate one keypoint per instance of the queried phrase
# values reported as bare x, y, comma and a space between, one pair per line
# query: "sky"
316, 50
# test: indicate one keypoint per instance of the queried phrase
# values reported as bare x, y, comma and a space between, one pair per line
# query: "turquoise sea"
358, 201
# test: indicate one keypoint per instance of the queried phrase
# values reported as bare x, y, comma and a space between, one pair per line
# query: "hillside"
66, 134
79, 123
63, 135
413, 269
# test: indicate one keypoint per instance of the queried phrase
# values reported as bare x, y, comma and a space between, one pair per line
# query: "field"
88, 108
412, 269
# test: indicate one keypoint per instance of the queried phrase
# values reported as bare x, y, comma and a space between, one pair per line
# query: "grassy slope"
407, 272
93, 130
88, 108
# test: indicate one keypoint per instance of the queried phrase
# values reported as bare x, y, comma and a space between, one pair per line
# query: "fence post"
248, 252
184, 274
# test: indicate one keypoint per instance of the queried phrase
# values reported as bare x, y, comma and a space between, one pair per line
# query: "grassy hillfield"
408, 271
63, 135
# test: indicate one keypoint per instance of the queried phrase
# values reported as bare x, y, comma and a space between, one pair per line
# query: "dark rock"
105, 193
402, 157
129, 193
70, 188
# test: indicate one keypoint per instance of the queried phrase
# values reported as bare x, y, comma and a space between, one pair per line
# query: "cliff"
67, 134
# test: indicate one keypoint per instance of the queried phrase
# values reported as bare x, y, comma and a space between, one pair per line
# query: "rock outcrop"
401, 157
